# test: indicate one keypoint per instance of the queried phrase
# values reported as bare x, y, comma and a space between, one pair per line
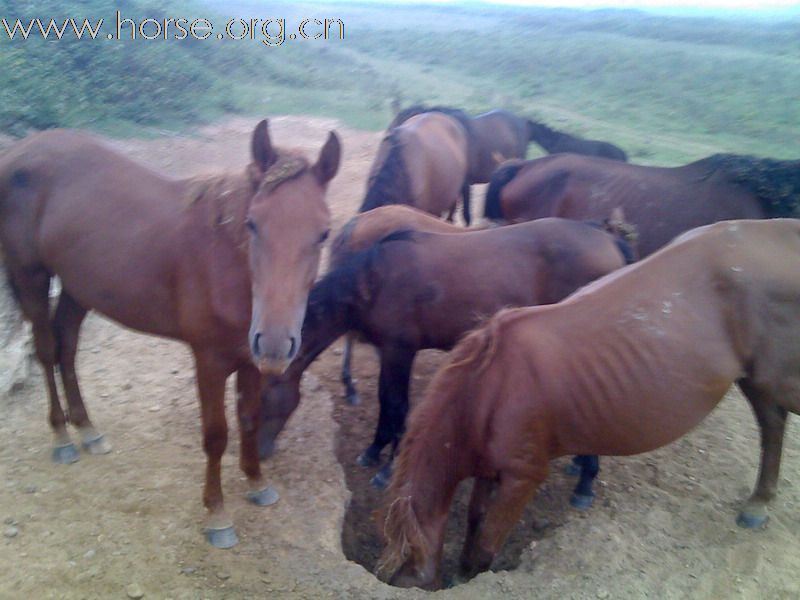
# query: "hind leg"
32, 287
351, 393
772, 421
66, 327
465, 206
583, 495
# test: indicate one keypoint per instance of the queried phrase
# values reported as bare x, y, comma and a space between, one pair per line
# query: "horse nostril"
292, 346
256, 344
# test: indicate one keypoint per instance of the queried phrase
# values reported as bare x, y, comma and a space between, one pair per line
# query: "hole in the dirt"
360, 539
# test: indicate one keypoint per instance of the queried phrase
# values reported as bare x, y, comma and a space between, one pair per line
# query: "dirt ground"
128, 524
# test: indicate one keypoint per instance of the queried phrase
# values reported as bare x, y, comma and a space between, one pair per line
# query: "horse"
661, 202
416, 290
362, 231
628, 364
493, 137
422, 163
223, 263
557, 142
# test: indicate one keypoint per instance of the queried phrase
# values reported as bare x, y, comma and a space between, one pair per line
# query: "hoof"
366, 460
581, 501
353, 399
97, 445
263, 497
572, 470
65, 455
380, 481
222, 538
751, 521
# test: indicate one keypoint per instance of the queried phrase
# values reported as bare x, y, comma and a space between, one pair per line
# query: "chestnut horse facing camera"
223, 263
626, 365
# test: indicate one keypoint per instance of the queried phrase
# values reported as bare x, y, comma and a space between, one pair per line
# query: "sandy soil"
129, 524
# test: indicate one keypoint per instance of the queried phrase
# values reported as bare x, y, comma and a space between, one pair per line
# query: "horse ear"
328, 162
264, 155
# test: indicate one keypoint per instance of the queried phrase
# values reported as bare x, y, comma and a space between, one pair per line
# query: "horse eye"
251, 226
324, 236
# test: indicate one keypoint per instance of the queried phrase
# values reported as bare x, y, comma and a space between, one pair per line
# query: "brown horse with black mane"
422, 163
626, 365
222, 263
416, 290
362, 231
558, 142
492, 137
661, 202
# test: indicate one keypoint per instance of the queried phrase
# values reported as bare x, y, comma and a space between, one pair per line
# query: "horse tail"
776, 183
391, 184
502, 175
404, 536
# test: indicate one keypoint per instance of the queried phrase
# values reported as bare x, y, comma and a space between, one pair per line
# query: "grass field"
666, 89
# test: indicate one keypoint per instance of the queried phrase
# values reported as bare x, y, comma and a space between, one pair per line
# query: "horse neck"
221, 202
329, 315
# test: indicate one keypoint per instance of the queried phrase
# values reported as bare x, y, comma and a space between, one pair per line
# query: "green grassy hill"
666, 89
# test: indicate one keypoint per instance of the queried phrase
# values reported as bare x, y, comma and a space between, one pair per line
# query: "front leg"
393, 384
212, 372
502, 511
248, 410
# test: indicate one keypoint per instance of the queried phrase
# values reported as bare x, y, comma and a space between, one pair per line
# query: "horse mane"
391, 184
499, 179
776, 183
230, 194
398, 519
544, 135
351, 282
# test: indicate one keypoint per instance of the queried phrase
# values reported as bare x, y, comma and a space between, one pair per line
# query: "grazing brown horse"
417, 290
222, 263
661, 202
422, 163
492, 137
557, 142
362, 231
626, 365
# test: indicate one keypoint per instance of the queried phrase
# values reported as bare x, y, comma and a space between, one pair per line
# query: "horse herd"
604, 354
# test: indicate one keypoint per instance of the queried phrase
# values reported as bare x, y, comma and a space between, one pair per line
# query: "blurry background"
669, 88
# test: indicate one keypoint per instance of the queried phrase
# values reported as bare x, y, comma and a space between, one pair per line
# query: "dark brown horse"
418, 290
422, 163
492, 137
626, 365
362, 231
222, 263
558, 142
661, 202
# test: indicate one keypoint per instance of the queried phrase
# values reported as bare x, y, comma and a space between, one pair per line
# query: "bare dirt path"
129, 523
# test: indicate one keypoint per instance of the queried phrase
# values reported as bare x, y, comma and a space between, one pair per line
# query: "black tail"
776, 183
491, 208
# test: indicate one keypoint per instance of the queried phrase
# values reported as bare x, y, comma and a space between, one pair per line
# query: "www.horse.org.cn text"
270, 32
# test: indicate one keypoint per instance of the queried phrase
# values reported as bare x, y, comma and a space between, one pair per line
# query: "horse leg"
66, 326
451, 215
32, 290
393, 383
212, 371
772, 421
502, 512
393, 387
351, 393
479, 501
465, 203
248, 411
583, 496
